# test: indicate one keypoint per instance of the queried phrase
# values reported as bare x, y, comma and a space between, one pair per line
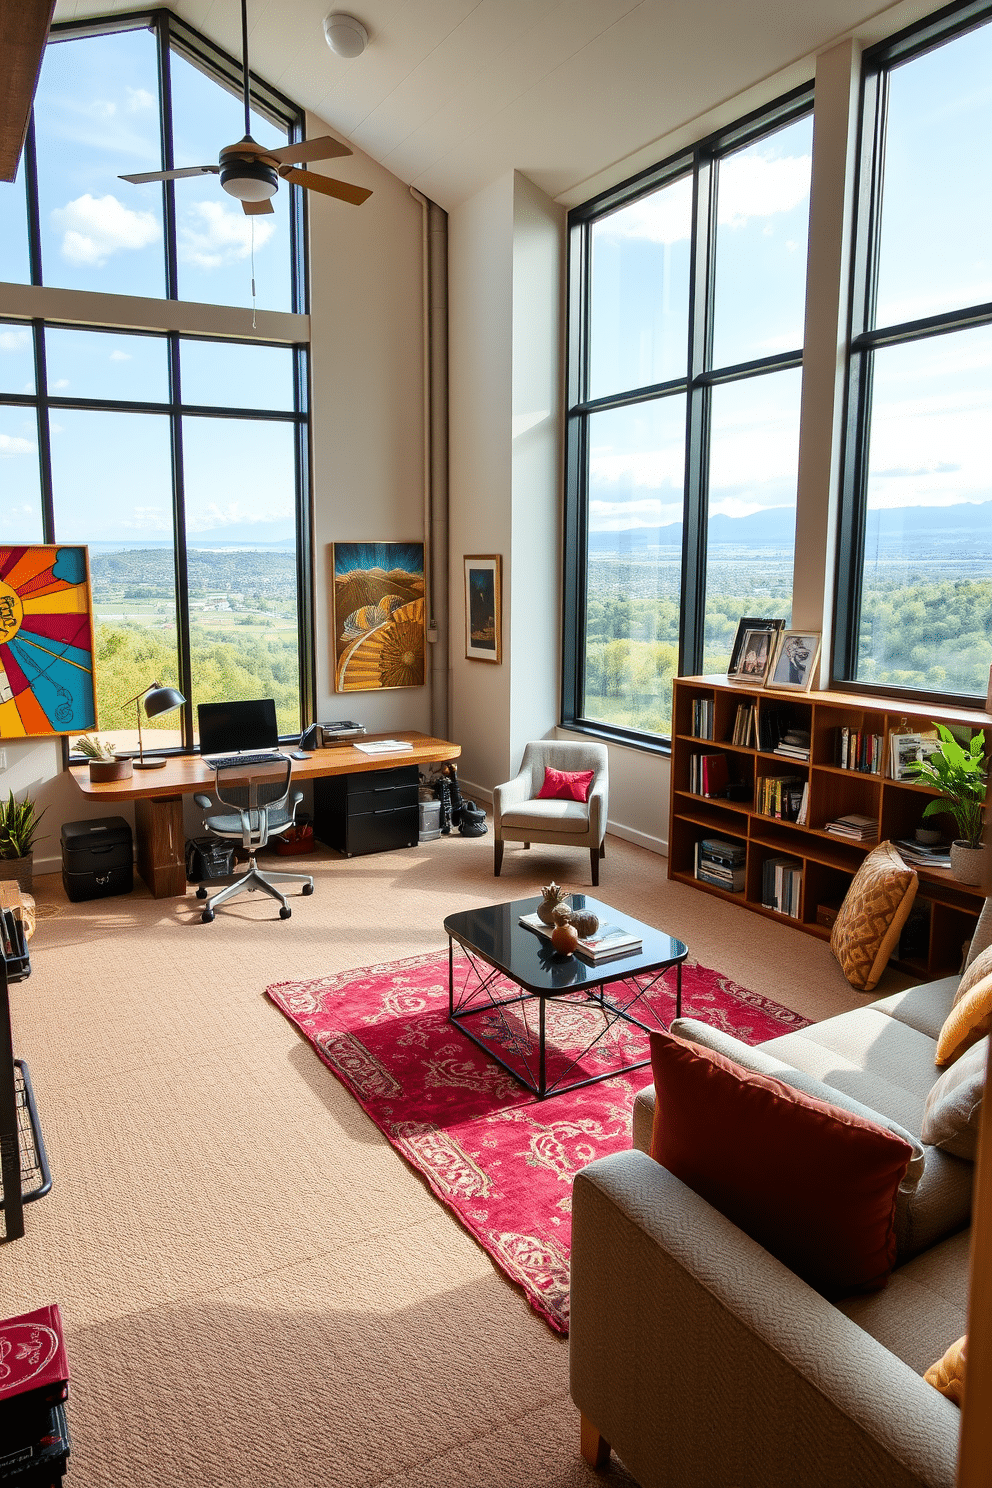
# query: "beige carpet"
257, 1291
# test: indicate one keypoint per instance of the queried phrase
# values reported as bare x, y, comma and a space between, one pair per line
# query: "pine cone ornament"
553, 896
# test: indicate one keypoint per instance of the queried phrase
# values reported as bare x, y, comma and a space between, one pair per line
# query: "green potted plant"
958, 776
102, 756
18, 828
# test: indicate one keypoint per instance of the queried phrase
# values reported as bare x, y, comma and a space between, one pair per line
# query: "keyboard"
225, 760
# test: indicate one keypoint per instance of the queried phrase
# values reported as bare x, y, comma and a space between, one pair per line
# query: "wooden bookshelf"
829, 862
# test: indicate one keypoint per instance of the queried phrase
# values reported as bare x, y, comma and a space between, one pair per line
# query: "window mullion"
702, 271
168, 155
44, 434
179, 537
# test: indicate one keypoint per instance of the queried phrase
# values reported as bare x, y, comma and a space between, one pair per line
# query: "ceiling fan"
251, 172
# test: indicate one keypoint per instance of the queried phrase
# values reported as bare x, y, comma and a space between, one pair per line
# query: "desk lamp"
157, 699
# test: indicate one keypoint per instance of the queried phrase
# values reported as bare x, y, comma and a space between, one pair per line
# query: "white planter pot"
968, 863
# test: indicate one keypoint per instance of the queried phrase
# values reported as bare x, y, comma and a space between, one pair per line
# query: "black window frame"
699, 161
172, 33
864, 339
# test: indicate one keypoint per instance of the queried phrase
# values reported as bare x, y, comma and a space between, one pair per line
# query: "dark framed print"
484, 607
745, 624
754, 657
795, 660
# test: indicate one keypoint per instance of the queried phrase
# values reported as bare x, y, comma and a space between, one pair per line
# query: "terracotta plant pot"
20, 869
115, 769
968, 863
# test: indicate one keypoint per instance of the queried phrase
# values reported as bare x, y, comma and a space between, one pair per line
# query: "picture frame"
795, 660
379, 635
754, 656
746, 623
484, 607
47, 682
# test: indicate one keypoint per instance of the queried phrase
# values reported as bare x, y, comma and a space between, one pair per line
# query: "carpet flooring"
256, 1293
498, 1158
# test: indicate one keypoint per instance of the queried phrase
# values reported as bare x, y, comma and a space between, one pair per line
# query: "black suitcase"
97, 858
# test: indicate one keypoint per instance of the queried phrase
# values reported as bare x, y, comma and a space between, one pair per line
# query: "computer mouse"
299, 754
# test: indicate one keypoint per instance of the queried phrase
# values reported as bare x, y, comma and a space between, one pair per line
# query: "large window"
687, 300
915, 578
179, 460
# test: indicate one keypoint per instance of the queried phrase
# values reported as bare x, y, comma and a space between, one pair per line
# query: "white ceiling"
452, 94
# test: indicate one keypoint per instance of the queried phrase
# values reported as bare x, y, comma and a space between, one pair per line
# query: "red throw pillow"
812, 1183
566, 785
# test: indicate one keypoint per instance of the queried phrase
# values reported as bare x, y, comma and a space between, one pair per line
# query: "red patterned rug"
501, 1160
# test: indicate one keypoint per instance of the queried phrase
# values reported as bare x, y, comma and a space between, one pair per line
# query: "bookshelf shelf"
945, 911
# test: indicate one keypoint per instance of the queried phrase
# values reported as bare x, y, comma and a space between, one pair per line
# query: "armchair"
519, 816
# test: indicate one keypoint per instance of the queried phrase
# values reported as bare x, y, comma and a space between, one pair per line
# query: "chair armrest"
509, 795
203, 801
295, 800
703, 1359
598, 798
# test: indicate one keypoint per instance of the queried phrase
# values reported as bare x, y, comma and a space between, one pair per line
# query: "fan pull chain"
251, 223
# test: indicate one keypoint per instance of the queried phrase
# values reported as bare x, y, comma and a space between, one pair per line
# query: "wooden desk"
158, 796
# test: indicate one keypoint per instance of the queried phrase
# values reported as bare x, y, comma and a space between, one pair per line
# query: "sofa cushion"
924, 1304
566, 785
923, 1007
974, 972
874, 911
814, 1184
947, 1375
969, 1020
953, 1110
982, 938
558, 816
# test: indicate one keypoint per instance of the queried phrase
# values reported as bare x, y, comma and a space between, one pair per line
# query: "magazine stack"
34, 1435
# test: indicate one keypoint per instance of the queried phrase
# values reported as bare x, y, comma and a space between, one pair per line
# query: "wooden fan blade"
257, 209
173, 175
324, 148
326, 185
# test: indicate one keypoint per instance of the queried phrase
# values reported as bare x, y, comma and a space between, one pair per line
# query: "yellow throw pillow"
968, 1021
874, 911
947, 1375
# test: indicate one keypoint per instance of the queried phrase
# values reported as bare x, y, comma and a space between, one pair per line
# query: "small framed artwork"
795, 660
754, 656
484, 607
745, 624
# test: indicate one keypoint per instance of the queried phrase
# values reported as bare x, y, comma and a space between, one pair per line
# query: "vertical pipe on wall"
435, 330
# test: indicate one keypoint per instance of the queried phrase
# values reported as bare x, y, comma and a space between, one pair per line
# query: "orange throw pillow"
947, 1375
969, 1020
812, 1183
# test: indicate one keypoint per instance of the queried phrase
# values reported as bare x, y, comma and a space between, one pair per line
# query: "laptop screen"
228, 727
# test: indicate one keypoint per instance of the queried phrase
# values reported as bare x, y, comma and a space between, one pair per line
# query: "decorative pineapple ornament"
553, 897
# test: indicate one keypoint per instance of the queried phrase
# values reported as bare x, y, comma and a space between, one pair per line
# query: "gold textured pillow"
874, 911
980, 967
968, 1021
947, 1375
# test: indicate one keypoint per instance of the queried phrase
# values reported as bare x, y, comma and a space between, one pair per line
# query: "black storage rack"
24, 1170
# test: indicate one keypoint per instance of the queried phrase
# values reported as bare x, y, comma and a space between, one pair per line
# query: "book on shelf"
803, 816
855, 826
904, 750
721, 863
794, 743
924, 855
856, 749
744, 726
713, 774
606, 943
782, 885
702, 718
779, 796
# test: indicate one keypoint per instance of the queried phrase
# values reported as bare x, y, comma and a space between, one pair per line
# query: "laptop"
236, 730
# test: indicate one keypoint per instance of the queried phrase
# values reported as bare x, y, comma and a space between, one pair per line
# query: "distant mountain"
775, 526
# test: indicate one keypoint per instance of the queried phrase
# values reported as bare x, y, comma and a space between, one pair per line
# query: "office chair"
258, 807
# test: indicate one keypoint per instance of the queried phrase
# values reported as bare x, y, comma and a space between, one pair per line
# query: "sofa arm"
702, 1359
598, 798
505, 797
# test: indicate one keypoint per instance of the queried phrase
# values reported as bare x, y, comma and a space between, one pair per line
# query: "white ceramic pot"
968, 863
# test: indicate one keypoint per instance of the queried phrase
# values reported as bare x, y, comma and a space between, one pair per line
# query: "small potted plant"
958, 776
102, 755
18, 828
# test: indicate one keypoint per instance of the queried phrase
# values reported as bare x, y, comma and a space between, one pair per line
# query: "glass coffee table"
512, 973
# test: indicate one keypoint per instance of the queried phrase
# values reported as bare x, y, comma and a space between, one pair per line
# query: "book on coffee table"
607, 943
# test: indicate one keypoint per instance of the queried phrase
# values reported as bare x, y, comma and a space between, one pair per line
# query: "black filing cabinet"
97, 858
369, 812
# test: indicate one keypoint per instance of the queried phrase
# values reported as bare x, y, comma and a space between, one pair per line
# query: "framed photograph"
484, 607
46, 642
379, 637
754, 656
743, 626
795, 660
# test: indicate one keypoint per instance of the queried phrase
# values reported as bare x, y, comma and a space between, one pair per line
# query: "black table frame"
480, 998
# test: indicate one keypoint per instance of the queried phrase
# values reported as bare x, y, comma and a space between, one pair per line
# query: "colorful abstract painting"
46, 642
379, 636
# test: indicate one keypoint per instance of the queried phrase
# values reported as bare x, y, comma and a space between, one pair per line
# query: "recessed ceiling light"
346, 36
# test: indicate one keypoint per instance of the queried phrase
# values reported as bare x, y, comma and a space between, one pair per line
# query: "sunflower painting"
378, 616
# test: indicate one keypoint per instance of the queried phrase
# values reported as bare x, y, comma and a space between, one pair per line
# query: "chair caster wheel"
285, 912
207, 916
201, 893
308, 888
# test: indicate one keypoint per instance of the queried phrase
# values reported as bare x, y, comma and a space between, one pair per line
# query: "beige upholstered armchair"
518, 816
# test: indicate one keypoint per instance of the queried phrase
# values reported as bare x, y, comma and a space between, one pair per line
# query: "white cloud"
207, 516
121, 356
664, 217
214, 234
95, 227
63, 382
11, 445
146, 519
14, 340
139, 98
